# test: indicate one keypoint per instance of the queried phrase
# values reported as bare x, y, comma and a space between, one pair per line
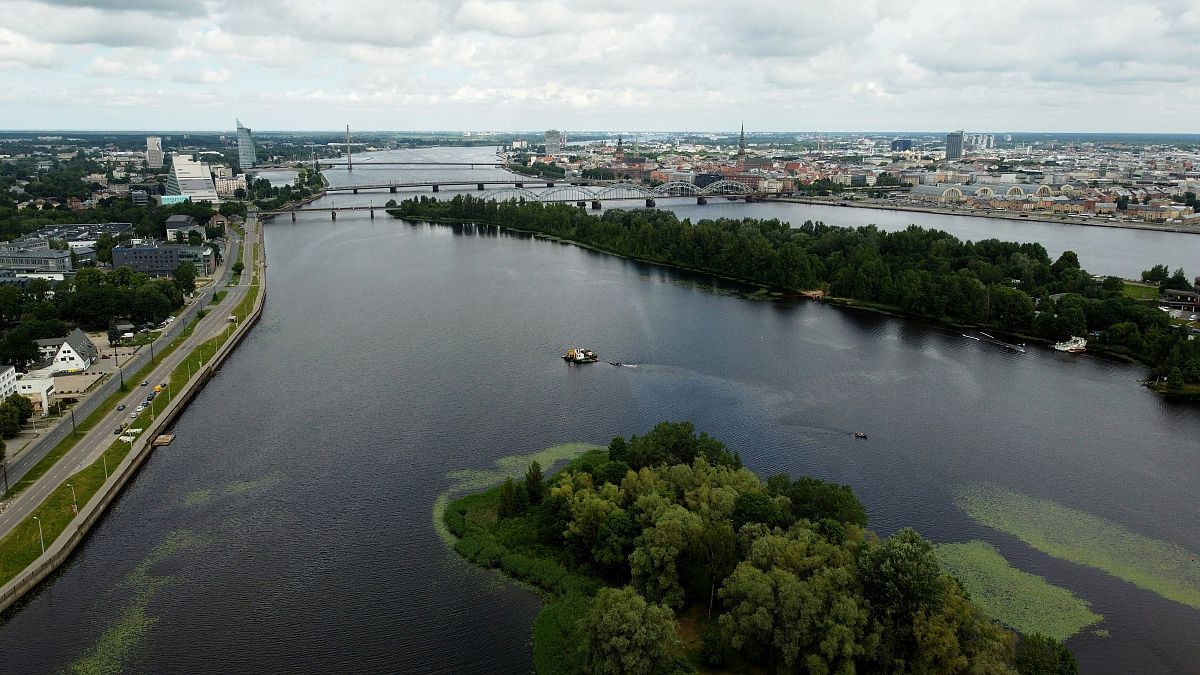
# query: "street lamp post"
120, 371
73, 429
74, 501
40, 537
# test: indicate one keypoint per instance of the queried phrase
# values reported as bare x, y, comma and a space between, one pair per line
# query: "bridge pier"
595, 204
392, 189
582, 205
550, 184
435, 187
355, 190
701, 200
333, 215
293, 216
519, 184
649, 202
479, 186
372, 214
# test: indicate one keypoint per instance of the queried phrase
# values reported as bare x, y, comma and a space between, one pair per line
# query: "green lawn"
1140, 291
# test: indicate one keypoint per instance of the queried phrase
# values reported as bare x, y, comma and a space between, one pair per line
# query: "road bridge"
581, 195
437, 185
368, 165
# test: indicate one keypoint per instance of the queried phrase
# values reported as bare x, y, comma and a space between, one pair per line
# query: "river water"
289, 528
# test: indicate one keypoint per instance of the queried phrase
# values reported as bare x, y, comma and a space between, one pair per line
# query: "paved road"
89, 447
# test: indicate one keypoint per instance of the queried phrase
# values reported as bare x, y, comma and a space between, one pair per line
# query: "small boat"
574, 355
1075, 345
616, 363
859, 434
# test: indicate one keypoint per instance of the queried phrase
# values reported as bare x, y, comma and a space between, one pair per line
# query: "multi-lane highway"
90, 446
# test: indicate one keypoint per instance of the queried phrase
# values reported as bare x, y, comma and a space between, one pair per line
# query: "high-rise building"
554, 142
901, 144
954, 145
246, 156
154, 155
190, 178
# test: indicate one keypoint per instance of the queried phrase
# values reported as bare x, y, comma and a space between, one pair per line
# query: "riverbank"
974, 213
768, 291
100, 483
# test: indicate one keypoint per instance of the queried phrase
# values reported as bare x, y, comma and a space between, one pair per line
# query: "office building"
554, 142
154, 153
161, 261
245, 142
191, 179
901, 144
954, 145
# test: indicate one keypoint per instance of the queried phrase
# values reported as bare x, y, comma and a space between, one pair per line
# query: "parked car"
117, 431
134, 414
121, 407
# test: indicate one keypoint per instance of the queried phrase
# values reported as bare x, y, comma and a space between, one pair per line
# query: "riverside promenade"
93, 447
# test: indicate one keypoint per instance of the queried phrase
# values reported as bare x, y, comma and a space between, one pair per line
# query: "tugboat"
1074, 345
574, 355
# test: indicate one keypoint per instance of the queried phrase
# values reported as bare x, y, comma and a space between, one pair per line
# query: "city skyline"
1022, 67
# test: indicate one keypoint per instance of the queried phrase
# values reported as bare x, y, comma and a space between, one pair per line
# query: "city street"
89, 447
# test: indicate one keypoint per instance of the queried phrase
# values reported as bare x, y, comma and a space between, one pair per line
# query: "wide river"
289, 527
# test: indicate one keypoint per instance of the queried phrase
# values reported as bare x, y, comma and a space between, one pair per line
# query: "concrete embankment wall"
59, 551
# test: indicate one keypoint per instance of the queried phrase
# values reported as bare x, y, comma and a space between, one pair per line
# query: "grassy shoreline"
22, 546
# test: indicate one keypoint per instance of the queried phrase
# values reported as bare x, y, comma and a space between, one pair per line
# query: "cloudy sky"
1017, 65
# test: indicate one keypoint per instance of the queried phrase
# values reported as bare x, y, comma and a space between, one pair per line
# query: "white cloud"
671, 64
19, 51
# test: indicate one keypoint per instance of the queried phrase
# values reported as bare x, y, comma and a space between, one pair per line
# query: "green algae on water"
1062, 532
514, 465
1022, 601
197, 497
117, 643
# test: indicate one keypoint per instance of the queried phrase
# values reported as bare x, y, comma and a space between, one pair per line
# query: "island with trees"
663, 554
925, 273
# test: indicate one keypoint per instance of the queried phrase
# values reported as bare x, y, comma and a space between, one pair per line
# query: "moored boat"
1075, 345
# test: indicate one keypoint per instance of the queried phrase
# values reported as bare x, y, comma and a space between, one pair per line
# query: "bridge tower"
349, 152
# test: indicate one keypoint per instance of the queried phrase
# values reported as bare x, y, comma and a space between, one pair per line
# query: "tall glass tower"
154, 153
246, 156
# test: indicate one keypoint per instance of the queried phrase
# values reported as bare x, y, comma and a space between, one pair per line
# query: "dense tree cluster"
267, 196
14, 412
148, 221
783, 574
923, 272
91, 300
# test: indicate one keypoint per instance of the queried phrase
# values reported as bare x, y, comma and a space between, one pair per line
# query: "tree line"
781, 575
92, 300
917, 271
